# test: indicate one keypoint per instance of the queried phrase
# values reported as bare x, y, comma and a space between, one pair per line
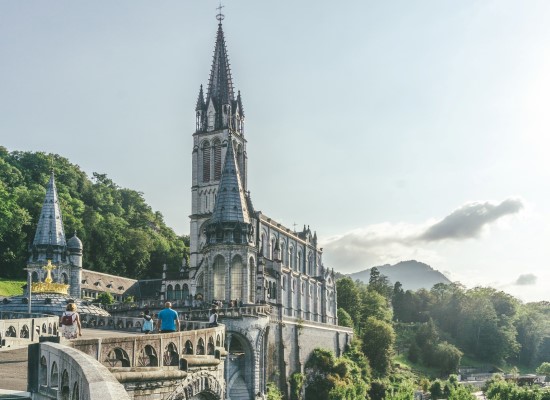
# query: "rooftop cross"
220, 17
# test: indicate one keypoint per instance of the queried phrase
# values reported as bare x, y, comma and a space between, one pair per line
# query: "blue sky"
397, 130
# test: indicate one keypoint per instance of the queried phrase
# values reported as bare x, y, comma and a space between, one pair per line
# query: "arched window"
299, 261
310, 264
177, 292
34, 277
217, 159
219, 278
200, 284
169, 292
271, 247
238, 275
65, 389
185, 292
171, 357
251, 283
283, 254
211, 347
206, 161
64, 278
76, 392
148, 357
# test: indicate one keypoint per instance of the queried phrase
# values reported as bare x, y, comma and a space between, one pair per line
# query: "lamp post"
29, 288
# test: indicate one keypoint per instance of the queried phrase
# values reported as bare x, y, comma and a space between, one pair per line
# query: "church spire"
220, 84
231, 205
49, 231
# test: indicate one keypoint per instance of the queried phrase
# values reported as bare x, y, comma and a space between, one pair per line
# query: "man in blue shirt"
168, 319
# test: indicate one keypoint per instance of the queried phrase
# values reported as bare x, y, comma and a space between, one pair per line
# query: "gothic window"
65, 390
211, 347
299, 261
169, 292
217, 159
200, 284
211, 119
185, 292
238, 274
148, 357
283, 254
64, 278
284, 283
264, 244
310, 264
271, 247
171, 357
76, 392
206, 162
251, 280
292, 259
219, 278
35, 276
177, 292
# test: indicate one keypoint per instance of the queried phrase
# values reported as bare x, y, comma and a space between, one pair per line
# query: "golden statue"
48, 286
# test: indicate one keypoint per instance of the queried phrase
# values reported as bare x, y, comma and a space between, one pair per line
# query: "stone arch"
117, 357
148, 357
210, 350
241, 358
24, 333
54, 376
11, 331
171, 356
199, 386
76, 392
188, 347
200, 347
218, 275
65, 388
43, 379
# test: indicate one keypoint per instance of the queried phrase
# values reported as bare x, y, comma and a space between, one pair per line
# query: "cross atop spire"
220, 17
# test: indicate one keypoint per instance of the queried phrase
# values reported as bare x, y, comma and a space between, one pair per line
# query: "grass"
417, 369
11, 288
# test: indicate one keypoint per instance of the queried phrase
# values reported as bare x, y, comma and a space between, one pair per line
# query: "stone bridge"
175, 366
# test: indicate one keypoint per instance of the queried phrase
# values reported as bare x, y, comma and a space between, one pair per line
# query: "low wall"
60, 372
24, 328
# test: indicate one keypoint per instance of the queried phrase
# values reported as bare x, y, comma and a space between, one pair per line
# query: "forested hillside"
121, 234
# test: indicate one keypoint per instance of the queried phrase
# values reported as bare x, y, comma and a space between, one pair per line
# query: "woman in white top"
70, 322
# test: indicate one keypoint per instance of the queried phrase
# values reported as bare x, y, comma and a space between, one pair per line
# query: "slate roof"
220, 84
55, 305
98, 281
231, 204
49, 230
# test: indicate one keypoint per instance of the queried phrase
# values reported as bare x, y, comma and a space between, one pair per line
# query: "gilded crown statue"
49, 286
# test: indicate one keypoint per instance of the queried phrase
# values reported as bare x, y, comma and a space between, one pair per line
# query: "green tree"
105, 298
544, 369
344, 319
378, 339
273, 392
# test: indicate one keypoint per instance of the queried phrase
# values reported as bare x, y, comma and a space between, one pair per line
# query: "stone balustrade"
59, 372
196, 345
24, 328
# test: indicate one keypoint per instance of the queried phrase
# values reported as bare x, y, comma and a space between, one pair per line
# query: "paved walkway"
13, 361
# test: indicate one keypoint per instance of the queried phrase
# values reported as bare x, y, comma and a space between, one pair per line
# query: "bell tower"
219, 118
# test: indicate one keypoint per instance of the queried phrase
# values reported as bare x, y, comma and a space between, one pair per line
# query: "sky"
396, 130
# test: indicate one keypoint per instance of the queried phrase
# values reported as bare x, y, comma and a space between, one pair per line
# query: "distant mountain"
412, 274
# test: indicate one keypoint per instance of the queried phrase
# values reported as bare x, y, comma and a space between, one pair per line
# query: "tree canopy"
120, 232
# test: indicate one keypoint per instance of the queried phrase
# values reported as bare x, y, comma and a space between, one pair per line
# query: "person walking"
70, 322
147, 326
168, 321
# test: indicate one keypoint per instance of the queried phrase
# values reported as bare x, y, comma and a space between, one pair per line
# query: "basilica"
238, 254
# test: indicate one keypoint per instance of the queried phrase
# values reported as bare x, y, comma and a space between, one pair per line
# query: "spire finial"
220, 17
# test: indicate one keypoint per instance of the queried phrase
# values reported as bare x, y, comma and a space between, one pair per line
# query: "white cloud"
389, 243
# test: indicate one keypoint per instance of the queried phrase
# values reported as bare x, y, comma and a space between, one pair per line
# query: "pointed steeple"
220, 85
49, 231
231, 205
240, 103
200, 101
